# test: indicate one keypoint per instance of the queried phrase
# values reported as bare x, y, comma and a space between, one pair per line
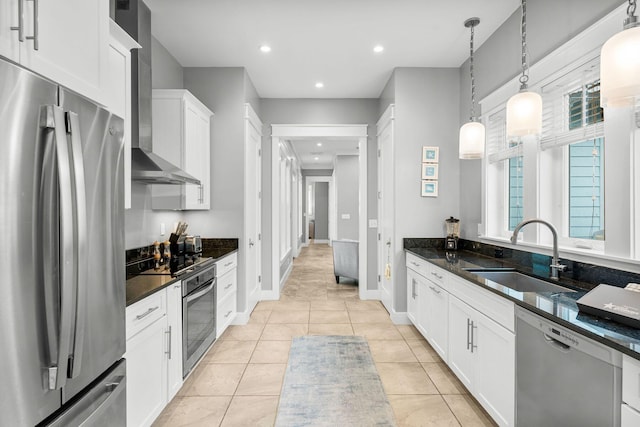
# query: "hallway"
238, 382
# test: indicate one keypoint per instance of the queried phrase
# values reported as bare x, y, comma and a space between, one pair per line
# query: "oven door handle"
202, 292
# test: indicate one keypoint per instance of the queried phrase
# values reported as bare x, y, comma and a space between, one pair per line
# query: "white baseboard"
285, 276
270, 295
400, 318
242, 318
370, 294
323, 241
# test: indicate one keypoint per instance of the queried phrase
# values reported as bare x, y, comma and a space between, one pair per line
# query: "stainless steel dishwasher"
563, 378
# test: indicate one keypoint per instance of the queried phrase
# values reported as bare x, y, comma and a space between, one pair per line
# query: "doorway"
317, 209
280, 135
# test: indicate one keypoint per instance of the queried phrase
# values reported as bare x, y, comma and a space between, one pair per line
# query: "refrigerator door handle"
52, 118
80, 246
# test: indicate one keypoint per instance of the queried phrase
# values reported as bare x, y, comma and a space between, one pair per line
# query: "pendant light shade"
472, 134
620, 64
524, 114
472, 137
524, 109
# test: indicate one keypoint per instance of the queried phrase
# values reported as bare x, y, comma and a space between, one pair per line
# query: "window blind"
498, 148
571, 108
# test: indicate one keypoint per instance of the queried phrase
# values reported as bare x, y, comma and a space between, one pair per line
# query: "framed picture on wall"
429, 171
429, 188
430, 154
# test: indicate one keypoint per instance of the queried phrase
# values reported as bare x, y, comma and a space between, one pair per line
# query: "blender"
453, 232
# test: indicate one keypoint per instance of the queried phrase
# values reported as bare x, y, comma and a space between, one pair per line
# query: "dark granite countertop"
558, 307
145, 284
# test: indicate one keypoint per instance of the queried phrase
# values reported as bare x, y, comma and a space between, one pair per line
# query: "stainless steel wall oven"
198, 316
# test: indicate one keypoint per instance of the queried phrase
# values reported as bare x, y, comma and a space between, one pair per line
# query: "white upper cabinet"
118, 92
182, 136
65, 41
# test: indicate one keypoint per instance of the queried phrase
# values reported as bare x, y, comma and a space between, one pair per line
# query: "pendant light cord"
524, 78
473, 82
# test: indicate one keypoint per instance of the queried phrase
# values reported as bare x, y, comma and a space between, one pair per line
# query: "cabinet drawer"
227, 284
495, 307
417, 264
630, 417
226, 313
437, 275
226, 264
145, 312
631, 381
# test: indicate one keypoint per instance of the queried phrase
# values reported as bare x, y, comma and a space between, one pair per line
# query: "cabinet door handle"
228, 313
415, 263
146, 313
413, 288
20, 27
228, 264
434, 290
468, 334
34, 37
168, 352
438, 276
473, 326
228, 286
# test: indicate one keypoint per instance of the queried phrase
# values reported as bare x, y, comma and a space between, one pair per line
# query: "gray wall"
347, 183
321, 211
142, 225
427, 110
320, 111
251, 94
550, 24
222, 91
388, 94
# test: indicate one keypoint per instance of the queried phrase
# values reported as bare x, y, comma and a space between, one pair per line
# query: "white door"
253, 207
386, 249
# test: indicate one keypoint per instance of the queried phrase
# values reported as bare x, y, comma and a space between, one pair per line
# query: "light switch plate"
373, 223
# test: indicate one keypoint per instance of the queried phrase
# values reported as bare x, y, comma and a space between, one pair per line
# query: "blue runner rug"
332, 381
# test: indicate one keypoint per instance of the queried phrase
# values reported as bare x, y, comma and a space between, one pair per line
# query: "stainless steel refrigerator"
62, 299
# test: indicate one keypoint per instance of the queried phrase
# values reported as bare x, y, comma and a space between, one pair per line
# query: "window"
515, 192
586, 189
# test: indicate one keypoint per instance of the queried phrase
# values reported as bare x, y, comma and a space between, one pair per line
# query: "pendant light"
620, 64
472, 133
524, 109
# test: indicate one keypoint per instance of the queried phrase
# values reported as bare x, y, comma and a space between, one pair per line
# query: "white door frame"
331, 206
284, 131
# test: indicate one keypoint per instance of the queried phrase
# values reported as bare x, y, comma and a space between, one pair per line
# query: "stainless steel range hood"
135, 18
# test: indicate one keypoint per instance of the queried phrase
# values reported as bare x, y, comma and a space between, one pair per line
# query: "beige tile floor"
238, 381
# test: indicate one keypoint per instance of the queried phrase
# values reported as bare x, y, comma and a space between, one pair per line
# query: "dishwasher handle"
557, 344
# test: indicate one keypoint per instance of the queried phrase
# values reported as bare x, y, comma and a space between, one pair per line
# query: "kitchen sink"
518, 281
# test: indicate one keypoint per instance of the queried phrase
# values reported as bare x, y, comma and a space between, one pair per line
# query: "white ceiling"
312, 156
323, 40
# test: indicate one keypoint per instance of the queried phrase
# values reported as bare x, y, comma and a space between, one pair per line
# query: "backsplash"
534, 263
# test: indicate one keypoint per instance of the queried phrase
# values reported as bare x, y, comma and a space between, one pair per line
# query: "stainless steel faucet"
555, 263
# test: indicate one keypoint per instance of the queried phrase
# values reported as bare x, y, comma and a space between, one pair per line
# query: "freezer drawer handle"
146, 313
113, 390
20, 27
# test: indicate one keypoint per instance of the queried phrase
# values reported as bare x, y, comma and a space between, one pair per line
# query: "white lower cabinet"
479, 348
174, 328
154, 354
227, 292
630, 392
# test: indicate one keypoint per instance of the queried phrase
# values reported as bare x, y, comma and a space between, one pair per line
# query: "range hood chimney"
135, 18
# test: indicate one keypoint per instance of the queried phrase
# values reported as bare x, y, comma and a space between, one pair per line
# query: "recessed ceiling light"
316, 158
319, 85
265, 48
319, 144
378, 48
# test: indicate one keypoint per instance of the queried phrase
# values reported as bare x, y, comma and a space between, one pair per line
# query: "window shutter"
571, 107
498, 148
